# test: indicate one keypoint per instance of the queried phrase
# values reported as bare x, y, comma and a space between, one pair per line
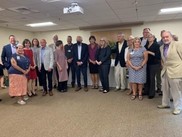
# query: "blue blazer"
120, 55
84, 54
6, 56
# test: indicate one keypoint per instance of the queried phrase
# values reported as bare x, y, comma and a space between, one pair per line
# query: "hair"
131, 36
37, 42
105, 40
19, 44
146, 29
58, 43
135, 39
92, 37
122, 34
152, 35
11, 36
175, 38
70, 36
167, 32
26, 41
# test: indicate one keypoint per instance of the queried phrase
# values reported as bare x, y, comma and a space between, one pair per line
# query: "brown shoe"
50, 93
85, 89
78, 88
44, 93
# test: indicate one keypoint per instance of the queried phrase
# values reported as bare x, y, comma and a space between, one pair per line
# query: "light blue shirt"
13, 48
79, 51
42, 54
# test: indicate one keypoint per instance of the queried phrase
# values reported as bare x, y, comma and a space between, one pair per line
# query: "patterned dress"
136, 58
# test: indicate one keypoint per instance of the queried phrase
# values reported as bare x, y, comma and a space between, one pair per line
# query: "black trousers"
46, 75
72, 68
104, 76
62, 85
150, 85
83, 70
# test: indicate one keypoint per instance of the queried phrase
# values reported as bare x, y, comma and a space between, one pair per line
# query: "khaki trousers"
173, 86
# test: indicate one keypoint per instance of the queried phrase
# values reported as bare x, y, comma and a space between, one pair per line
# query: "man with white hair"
171, 53
120, 64
54, 72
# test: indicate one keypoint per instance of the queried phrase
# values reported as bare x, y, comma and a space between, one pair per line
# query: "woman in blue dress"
137, 59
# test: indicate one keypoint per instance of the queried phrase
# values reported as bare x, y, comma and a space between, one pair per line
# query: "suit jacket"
6, 56
172, 64
48, 58
84, 54
120, 55
104, 55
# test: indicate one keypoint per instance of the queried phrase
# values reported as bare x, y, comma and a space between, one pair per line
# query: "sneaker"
163, 107
177, 111
25, 98
105, 91
21, 102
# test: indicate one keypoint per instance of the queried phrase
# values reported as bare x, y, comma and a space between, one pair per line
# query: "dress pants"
120, 77
62, 85
152, 71
55, 75
83, 70
104, 76
46, 75
72, 68
173, 86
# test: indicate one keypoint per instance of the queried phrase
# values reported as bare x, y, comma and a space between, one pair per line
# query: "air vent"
23, 10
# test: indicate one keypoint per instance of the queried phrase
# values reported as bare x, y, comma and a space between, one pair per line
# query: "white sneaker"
105, 91
177, 111
25, 98
21, 102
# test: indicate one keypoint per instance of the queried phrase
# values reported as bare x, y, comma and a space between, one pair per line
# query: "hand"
137, 67
49, 69
79, 63
60, 69
69, 60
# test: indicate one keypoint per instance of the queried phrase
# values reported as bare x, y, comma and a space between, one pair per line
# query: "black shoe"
150, 97
171, 100
0, 100
55, 86
160, 93
73, 85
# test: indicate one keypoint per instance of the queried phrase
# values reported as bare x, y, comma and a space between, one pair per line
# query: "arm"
85, 58
108, 54
3, 58
145, 59
51, 59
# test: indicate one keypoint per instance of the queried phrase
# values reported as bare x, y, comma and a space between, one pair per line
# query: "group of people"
146, 60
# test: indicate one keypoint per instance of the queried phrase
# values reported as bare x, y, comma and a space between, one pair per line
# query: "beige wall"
156, 27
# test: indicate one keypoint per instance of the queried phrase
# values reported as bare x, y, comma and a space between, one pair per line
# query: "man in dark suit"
7, 52
80, 57
120, 64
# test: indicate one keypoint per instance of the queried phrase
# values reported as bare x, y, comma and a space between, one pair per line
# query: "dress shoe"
171, 100
101, 90
0, 100
150, 97
163, 107
78, 88
85, 89
117, 89
50, 93
44, 93
177, 111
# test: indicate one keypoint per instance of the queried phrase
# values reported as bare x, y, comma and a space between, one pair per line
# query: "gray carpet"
87, 114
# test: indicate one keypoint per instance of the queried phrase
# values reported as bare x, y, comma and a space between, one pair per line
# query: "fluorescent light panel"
43, 24
170, 10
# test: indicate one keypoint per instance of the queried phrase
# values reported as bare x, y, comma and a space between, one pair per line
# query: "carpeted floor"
87, 114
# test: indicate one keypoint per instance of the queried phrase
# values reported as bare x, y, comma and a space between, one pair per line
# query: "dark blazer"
6, 56
104, 55
84, 54
120, 55
141, 38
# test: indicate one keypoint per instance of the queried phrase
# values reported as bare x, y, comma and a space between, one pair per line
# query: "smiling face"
12, 40
43, 43
167, 37
19, 49
137, 43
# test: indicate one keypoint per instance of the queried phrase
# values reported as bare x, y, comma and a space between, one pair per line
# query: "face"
92, 41
150, 38
145, 33
166, 37
130, 41
102, 42
79, 38
120, 38
69, 40
35, 42
55, 38
27, 45
20, 49
136, 43
12, 40
43, 43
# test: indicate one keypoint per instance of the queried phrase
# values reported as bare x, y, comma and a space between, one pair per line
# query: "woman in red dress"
32, 73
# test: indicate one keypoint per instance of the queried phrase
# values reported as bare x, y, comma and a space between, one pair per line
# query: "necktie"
166, 47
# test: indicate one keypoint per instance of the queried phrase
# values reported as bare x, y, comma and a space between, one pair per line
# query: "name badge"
132, 52
69, 50
18, 57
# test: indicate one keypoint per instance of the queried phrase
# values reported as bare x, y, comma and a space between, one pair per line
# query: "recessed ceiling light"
171, 10
43, 24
